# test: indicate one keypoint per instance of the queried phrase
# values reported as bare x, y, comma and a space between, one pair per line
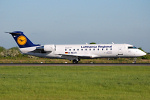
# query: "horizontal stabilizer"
13, 33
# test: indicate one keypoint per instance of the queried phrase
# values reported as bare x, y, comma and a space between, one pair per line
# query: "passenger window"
81, 49
73, 49
65, 49
93, 49
77, 49
89, 49
69, 49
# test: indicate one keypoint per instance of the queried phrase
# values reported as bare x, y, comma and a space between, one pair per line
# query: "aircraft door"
120, 52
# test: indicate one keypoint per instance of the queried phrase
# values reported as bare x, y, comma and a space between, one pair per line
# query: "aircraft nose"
142, 53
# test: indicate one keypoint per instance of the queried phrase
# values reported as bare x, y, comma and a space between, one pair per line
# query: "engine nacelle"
49, 48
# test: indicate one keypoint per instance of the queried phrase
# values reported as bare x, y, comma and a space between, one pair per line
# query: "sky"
76, 21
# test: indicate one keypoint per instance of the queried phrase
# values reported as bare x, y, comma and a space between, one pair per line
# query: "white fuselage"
72, 52
75, 52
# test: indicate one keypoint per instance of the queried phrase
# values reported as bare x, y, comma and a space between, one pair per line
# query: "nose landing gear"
134, 61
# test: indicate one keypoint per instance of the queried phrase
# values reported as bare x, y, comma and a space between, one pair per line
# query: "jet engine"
49, 48
45, 49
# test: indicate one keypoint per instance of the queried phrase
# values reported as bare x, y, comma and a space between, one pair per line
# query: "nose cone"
141, 53
144, 54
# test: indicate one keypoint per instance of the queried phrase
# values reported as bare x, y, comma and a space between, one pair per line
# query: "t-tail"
21, 39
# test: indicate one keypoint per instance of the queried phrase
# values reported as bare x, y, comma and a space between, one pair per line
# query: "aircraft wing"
79, 55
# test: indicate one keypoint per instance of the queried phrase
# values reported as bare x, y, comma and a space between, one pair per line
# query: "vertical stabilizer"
21, 39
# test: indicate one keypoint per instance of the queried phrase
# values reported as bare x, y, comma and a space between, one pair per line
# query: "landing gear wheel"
75, 61
134, 60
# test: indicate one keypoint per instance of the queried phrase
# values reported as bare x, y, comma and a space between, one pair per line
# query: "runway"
64, 64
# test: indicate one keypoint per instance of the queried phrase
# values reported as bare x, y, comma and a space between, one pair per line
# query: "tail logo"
21, 40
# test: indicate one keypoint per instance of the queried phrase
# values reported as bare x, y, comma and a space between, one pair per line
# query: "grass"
74, 82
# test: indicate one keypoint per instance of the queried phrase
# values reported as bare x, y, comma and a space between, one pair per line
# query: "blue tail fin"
22, 40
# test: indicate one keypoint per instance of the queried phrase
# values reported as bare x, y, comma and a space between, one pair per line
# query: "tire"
75, 61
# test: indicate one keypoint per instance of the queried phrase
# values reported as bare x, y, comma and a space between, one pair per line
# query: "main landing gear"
75, 61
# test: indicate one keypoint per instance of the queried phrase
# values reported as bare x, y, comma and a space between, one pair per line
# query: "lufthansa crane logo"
21, 40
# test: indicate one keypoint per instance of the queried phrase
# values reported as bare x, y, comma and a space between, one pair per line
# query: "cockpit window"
132, 47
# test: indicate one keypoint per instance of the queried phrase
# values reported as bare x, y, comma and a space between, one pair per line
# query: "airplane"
75, 52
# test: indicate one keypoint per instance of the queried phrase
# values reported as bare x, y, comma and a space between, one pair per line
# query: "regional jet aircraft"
75, 52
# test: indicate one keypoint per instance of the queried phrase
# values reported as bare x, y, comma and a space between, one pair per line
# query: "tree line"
12, 52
